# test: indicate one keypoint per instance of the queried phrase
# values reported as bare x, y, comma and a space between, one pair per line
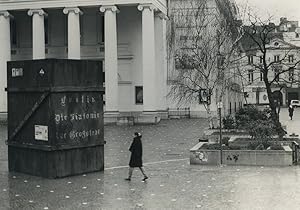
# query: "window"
291, 58
234, 106
250, 59
291, 74
139, 95
276, 74
276, 58
261, 76
250, 75
261, 59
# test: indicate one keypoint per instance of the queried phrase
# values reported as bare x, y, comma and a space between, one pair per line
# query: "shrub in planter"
229, 122
262, 132
250, 114
225, 140
255, 145
235, 147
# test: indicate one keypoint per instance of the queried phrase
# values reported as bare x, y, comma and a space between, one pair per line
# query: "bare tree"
261, 39
203, 42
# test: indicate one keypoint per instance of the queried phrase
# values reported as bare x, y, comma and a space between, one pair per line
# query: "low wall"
204, 157
259, 157
241, 157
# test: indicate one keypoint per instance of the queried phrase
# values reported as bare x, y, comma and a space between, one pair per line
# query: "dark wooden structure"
55, 117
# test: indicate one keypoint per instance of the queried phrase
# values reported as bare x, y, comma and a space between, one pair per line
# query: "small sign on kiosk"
41, 132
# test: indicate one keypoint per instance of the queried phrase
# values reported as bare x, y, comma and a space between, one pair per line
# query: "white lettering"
81, 134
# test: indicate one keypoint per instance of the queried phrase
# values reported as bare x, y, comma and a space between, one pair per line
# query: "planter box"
241, 157
213, 135
204, 157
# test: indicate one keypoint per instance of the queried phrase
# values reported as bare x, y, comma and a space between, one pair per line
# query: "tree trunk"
210, 117
274, 114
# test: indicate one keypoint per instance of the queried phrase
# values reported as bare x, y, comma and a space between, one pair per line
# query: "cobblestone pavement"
173, 183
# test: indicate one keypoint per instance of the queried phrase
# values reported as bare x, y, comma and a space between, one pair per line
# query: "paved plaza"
173, 182
293, 126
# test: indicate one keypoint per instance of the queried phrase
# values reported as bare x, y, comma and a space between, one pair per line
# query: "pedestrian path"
292, 126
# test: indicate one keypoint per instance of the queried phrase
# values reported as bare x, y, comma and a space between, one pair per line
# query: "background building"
283, 54
203, 39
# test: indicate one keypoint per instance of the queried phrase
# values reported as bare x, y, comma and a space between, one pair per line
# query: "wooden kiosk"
55, 117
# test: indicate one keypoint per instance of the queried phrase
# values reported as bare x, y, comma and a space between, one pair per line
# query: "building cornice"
162, 16
37, 4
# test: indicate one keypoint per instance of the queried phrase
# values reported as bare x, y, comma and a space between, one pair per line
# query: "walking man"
291, 111
136, 150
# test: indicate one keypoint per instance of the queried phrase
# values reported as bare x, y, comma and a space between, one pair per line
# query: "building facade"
203, 42
129, 36
283, 55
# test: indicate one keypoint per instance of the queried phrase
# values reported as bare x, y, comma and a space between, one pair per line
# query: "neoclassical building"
127, 35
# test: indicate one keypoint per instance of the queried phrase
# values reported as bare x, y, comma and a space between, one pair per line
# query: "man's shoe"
128, 179
146, 177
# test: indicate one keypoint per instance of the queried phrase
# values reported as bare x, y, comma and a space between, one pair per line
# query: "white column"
73, 31
4, 56
38, 33
148, 45
161, 60
111, 58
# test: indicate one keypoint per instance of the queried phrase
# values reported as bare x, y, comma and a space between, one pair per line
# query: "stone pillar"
38, 33
111, 59
161, 61
4, 56
73, 31
149, 70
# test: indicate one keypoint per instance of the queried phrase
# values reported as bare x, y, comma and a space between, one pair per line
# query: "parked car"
295, 103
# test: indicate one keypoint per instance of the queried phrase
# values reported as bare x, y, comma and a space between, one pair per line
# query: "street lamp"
220, 105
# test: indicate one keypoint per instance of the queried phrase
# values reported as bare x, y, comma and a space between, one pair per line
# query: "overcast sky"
275, 8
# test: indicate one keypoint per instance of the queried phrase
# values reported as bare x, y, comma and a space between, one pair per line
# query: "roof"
258, 33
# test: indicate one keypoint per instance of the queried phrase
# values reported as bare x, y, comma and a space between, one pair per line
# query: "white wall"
129, 34
130, 67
